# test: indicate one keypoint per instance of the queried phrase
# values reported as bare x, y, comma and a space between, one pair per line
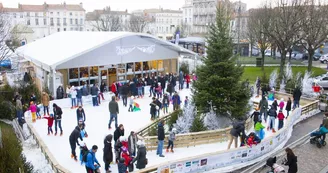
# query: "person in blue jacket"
79, 96
176, 101
92, 165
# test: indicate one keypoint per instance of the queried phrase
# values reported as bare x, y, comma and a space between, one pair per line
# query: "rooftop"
155, 10
43, 7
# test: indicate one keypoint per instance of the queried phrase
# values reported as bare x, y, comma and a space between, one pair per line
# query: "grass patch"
251, 73
267, 60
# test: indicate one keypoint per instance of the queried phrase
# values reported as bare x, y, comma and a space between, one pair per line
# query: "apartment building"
43, 20
188, 17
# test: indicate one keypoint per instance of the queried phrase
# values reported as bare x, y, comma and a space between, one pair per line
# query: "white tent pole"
53, 71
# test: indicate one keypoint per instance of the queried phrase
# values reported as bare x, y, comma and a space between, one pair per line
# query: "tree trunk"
290, 56
282, 64
263, 56
311, 53
251, 44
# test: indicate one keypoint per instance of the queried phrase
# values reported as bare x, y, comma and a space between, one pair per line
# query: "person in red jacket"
114, 88
125, 154
251, 140
50, 122
187, 80
281, 117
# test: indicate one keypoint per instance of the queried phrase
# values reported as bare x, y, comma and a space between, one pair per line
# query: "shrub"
174, 116
7, 110
184, 67
26, 90
198, 124
11, 158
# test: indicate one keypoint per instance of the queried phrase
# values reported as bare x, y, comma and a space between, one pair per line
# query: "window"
51, 13
14, 15
58, 29
189, 11
71, 29
76, 22
171, 21
64, 21
81, 28
64, 29
81, 21
52, 21
45, 21
71, 14
36, 21
36, 14
28, 22
76, 29
28, 14
167, 29
71, 21
75, 13
64, 13
58, 21
185, 20
58, 13
189, 19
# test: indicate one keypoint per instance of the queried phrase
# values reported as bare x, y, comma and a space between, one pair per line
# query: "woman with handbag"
141, 159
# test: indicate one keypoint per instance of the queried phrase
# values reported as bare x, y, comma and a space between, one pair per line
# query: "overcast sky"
131, 5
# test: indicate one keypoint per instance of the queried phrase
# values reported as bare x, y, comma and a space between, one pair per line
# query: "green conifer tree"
219, 79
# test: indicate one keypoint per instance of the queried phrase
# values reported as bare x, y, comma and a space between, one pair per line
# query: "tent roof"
59, 48
191, 40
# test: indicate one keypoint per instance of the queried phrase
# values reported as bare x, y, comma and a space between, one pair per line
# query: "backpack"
85, 156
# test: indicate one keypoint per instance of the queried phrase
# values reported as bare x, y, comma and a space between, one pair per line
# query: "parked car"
324, 58
322, 80
316, 56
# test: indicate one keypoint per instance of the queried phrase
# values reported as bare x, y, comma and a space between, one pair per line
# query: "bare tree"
137, 23
258, 23
314, 27
285, 24
107, 20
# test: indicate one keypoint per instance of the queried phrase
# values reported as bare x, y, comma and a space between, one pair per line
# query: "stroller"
275, 168
316, 137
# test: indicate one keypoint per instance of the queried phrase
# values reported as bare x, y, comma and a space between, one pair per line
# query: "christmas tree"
185, 121
219, 78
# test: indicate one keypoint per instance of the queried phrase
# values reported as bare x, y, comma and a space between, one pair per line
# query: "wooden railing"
44, 149
305, 110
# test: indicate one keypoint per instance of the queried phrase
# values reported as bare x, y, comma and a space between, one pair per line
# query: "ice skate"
167, 150
55, 133
273, 131
72, 156
75, 159
109, 171
172, 151
268, 128
61, 133
48, 134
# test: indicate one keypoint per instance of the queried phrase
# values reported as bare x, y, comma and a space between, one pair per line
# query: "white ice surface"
96, 126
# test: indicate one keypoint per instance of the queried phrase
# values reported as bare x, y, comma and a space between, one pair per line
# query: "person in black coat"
238, 129
291, 161
297, 96
108, 153
256, 116
150, 83
124, 93
141, 155
153, 109
102, 87
60, 92
33, 98
80, 114
118, 132
58, 116
73, 140
160, 137
162, 80
288, 106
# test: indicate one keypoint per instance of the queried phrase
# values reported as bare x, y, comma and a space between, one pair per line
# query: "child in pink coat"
33, 110
281, 104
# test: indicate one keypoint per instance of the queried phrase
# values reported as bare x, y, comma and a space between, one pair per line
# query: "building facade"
188, 17
163, 23
46, 19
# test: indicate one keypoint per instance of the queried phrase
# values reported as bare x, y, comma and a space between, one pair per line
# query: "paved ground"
310, 158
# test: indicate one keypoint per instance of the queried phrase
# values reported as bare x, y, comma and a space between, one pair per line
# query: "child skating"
83, 152
171, 140
186, 101
50, 122
131, 104
33, 110
166, 103
259, 129
281, 118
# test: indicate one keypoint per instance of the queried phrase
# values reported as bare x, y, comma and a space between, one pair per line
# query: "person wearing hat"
114, 111
60, 92
160, 137
83, 151
263, 105
176, 101
273, 116
171, 140
153, 109
281, 118
58, 116
281, 104
141, 159
108, 153
92, 165
80, 114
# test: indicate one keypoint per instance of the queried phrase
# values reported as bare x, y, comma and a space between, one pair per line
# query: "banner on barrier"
239, 156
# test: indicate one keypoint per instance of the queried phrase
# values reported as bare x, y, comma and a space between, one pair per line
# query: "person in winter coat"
237, 129
50, 123
188, 80
33, 98
256, 116
281, 118
73, 94
79, 96
141, 155
114, 89
253, 139
263, 105
114, 111
73, 140
125, 92
83, 132
288, 106
85, 90
158, 90
259, 129
139, 88
166, 103
186, 101
273, 116
19, 108
169, 89
60, 92
275, 105
281, 104
171, 140
58, 116
162, 80
121, 166
291, 161
83, 152
102, 87
92, 165
176, 101
33, 109
118, 132
160, 137
153, 109
108, 153
80, 114
297, 96
158, 107
94, 94
45, 102
258, 86
132, 143
125, 154
133, 89
181, 82
131, 101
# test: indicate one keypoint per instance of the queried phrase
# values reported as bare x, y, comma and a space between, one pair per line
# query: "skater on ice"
92, 165
273, 115
256, 116
153, 109
288, 106
45, 102
94, 94
176, 101
259, 129
58, 116
79, 96
73, 97
73, 140
118, 133
131, 100
166, 103
80, 114
141, 158
171, 140
160, 137
281, 118
263, 105
108, 152
114, 111
50, 123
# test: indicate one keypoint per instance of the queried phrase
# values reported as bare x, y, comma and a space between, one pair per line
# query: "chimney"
81, 4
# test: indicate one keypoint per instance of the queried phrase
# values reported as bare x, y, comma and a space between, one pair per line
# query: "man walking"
160, 137
94, 94
114, 111
297, 96
73, 140
125, 91
58, 116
